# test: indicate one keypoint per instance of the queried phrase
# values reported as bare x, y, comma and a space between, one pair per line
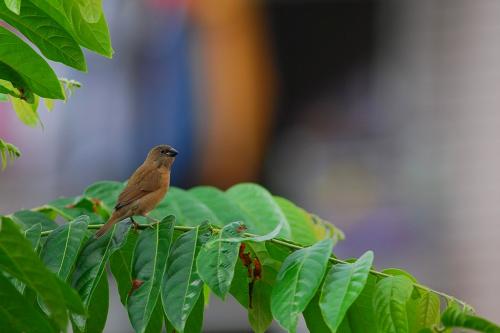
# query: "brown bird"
145, 189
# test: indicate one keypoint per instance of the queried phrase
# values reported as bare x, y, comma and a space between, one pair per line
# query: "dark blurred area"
380, 116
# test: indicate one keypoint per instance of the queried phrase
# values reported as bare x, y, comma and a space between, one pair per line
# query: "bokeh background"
381, 116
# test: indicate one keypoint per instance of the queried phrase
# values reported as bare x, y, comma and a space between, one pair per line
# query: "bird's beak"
172, 152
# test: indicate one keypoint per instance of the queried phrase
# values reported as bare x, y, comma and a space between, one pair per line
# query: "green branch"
293, 246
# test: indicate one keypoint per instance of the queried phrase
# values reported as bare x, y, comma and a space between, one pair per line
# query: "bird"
145, 188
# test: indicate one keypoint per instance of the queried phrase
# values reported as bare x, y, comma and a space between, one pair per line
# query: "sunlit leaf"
390, 298
343, 284
298, 281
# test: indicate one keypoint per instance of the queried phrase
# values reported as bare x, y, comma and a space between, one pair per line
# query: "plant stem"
293, 246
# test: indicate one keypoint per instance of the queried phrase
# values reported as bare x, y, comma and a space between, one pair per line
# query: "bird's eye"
163, 151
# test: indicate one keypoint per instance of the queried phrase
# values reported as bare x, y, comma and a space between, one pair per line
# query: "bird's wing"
143, 181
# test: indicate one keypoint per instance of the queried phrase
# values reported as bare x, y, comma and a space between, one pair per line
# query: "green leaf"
453, 316
297, 282
105, 191
216, 262
263, 213
25, 111
398, 271
94, 36
186, 208
91, 10
225, 210
8, 151
91, 264
262, 238
31, 67
361, 314
150, 258
34, 234
120, 263
155, 324
390, 298
49, 104
182, 285
52, 39
71, 208
312, 315
194, 323
98, 308
300, 222
62, 245
239, 285
343, 284
260, 315
427, 311
13, 5
27, 218
18, 259
17, 313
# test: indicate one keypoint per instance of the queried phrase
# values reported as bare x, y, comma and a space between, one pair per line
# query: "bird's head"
163, 155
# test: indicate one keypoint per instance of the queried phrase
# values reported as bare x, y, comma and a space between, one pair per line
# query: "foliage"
59, 29
272, 256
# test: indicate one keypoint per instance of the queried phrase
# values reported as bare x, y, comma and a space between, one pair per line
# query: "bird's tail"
108, 225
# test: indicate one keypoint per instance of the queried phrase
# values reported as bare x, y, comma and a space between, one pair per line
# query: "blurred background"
381, 116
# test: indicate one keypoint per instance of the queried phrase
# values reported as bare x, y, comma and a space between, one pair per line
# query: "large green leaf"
361, 314
94, 36
62, 245
106, 191
343, 284
216, 262
456, 317
186, 208
120, 263
262, 212
427, 310
91, 263
21, 58
298, 281
299, 220
27, 218
220, 205
150, 258
390, 299
51, 38
17, 313
182, 285
98, 308
18, 259
91, 10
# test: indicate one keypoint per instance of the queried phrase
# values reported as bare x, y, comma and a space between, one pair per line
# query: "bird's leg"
135, 225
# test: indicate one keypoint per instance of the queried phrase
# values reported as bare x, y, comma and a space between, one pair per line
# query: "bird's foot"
135, 225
